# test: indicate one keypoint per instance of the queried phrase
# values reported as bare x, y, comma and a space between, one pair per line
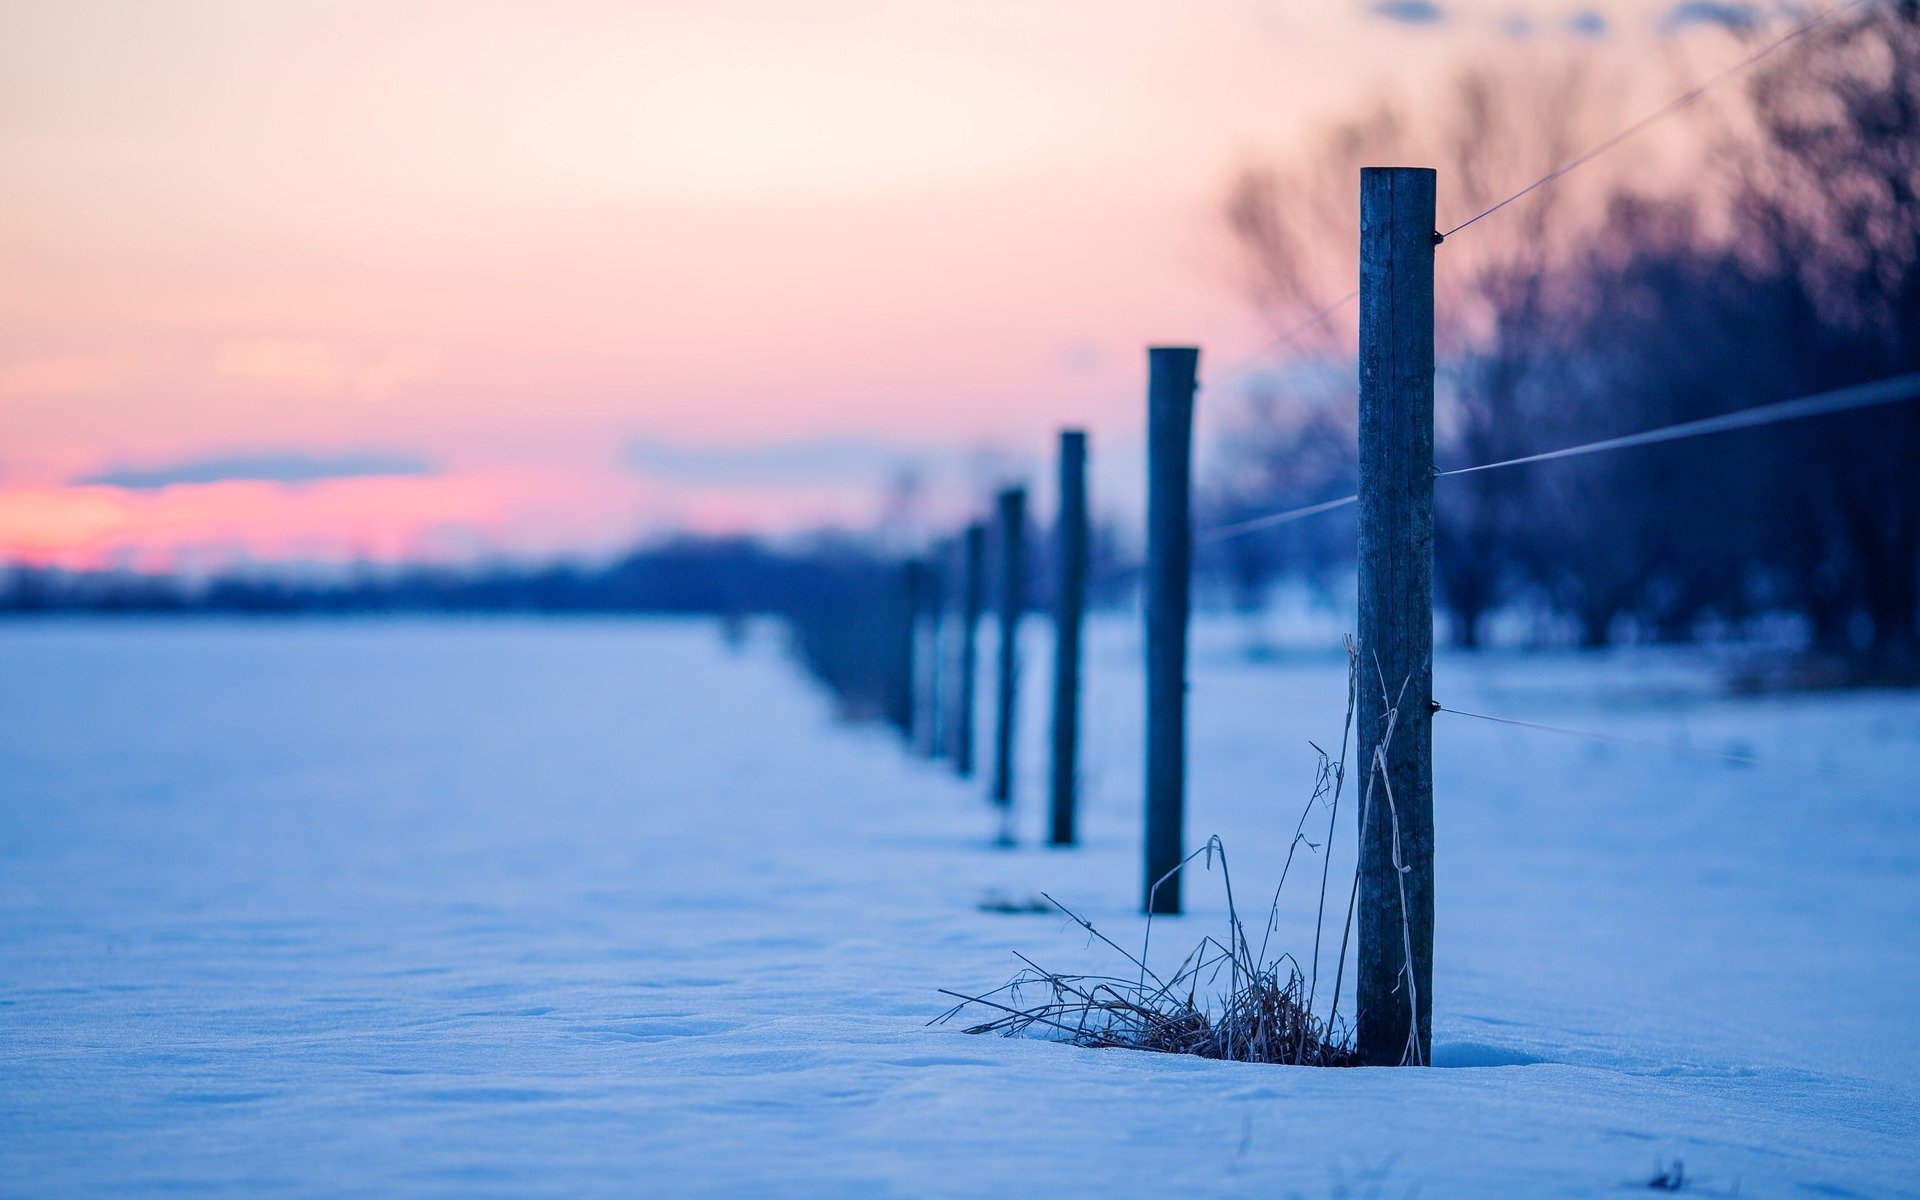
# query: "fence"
1399, 241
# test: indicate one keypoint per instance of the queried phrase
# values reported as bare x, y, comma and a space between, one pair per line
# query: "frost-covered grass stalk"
1226, 999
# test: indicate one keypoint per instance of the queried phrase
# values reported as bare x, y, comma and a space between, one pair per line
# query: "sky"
324, 281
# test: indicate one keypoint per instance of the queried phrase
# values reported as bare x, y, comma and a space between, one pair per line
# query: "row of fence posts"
935, 697
934, 706
935, 661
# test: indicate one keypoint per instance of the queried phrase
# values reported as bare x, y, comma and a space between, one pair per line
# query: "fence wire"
1727, 756
1683, 100
1866, 395
1222, 533
1285, 337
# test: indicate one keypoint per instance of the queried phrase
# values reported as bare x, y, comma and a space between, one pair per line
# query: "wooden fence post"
1070, 602
972, 592
933, 732
1394, 977
1013, 528
1170, 384
900, 678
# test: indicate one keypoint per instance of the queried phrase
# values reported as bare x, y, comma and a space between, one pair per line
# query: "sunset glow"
510, 242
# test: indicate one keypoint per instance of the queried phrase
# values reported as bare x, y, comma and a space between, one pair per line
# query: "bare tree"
1594, 308
1495, 129
1830, 199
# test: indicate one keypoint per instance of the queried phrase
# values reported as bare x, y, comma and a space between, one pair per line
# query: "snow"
601, 908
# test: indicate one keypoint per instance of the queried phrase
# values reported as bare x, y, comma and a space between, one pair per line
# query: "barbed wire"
1683, 100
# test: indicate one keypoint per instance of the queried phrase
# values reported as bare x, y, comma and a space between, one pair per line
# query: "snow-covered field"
577, 909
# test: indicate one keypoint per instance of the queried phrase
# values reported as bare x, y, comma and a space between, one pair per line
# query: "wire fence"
1686, 99
1874, 394
1733, 757
1858, 397
1892, 390
1682, 101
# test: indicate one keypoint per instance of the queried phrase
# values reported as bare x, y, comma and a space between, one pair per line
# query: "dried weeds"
1227, 999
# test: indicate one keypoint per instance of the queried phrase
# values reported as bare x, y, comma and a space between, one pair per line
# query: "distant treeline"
683, 575
842, 599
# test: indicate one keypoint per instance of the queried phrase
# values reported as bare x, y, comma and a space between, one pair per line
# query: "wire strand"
1727, 756
1846, 398
1865, 395
1283, 337
1221, 533
1318, 316
1672, 106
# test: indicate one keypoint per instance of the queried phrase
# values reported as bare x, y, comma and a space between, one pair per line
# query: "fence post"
972, 590
1069, 606
933, 732
900, 679
1394, 977
1013, 527
1171, 372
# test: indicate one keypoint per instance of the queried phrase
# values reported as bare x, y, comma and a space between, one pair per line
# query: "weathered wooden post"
1013, 528
1070, 601
1394, 980
900, 673
933, 731
972, 593
1171, 375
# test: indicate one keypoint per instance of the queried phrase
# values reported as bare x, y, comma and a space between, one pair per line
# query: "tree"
1829, 201
1495, 127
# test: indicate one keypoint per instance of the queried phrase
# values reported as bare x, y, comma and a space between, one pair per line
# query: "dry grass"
1227, 999
1262, 1013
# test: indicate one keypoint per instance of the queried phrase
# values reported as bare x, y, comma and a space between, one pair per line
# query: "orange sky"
600, 269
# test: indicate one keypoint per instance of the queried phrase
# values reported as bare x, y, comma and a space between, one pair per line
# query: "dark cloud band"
269, 467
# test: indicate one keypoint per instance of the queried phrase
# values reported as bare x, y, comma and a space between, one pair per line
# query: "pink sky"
514, 242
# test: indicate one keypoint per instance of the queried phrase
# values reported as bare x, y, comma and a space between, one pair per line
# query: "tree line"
685, 574
1779, 257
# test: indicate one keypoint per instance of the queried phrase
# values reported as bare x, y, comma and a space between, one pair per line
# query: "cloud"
1409, 12
1587, 24
776, 464
1727, 14
269, 467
